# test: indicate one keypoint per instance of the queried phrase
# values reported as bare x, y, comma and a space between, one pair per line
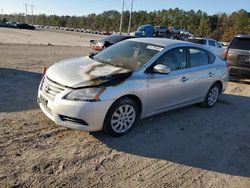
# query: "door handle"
184, 79
210, 74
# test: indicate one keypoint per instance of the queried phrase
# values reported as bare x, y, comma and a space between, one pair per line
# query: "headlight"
87, 94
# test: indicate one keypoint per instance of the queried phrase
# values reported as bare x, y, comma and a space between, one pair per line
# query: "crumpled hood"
84, 71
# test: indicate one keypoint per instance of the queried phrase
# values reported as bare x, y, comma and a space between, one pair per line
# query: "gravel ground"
42, 36
188, 147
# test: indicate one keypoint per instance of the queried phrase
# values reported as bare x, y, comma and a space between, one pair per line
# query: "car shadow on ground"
240, 80
215, 139
18, 90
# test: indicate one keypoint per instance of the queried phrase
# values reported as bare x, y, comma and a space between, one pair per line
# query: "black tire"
107, 127
207, 103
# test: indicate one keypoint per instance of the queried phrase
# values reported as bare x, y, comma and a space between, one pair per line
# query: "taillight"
225, 54
229, 66
44, 71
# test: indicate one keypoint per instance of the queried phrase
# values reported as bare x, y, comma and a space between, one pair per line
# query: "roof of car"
204, 38
242, 36
159, 41
164, 42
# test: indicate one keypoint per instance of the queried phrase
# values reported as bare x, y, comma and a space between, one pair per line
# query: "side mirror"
162, 69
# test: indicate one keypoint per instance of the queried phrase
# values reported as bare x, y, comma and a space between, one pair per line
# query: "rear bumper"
240, 71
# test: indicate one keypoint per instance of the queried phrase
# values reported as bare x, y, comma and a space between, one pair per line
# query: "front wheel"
212, 96
121, 117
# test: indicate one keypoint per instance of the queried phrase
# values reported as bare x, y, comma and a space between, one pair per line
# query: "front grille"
73, 120
51, 88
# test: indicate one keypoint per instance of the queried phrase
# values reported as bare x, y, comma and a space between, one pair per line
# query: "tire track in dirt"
127, 169
144, 174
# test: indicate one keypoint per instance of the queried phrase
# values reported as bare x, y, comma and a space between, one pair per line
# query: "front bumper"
93, 113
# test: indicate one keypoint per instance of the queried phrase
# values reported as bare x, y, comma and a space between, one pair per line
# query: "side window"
204, 42
218, 45
211, 58
211, 43
174, 59
198, 57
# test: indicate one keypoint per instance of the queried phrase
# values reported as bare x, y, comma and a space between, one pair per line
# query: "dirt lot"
189, 147
45, 37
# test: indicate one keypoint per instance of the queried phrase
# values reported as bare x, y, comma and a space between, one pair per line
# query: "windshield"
128, 54
141, 30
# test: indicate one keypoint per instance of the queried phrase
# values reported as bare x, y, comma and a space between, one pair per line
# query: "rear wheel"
121, 117
212, 96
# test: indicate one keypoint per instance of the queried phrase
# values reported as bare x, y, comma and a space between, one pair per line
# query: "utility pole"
130, 16
120, 30
26, 19
31, 13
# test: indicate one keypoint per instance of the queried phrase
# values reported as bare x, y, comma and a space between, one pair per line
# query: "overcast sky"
84, 7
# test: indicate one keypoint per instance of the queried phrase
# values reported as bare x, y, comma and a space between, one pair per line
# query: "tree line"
218, 26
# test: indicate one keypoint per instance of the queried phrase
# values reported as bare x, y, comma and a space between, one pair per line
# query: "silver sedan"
128, 81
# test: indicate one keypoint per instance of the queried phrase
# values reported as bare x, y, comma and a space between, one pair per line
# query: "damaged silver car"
128, 81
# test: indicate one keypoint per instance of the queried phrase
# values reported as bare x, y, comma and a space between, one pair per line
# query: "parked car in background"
132, 79
99, 45
17, 25
145, 31
106, 33
238, 55
160, 31
174, 30
210, 43
12, 24
149, 30
25, 26
224, 44
3, 24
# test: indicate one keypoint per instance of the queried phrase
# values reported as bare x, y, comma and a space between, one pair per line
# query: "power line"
26, 12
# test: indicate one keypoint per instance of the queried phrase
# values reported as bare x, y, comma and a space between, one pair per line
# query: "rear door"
202, 72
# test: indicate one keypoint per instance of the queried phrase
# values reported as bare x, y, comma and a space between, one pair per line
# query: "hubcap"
123, 118
213, 96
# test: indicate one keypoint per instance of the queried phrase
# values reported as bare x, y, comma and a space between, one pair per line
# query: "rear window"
198, 41
240, 43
